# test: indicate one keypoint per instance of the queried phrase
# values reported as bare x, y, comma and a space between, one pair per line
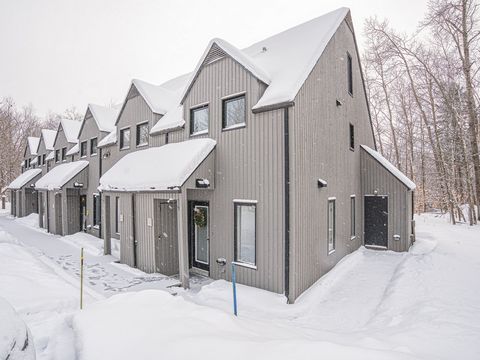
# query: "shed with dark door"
387, 203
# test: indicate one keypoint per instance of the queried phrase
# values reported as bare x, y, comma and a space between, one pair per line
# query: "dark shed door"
58, 214
166, 241
376, 220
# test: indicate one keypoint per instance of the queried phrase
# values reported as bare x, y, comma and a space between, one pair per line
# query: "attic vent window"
215, 53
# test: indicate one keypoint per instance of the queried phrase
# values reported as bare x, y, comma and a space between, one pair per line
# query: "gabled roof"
32, 143
24, 178
282, 61
57, 177
134, 172
390, 167
50, 155
158, 98
48, 136
104, 117
71, 129
171, 120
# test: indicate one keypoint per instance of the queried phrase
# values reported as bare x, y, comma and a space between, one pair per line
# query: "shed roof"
173, 119
74, 150
108, 140
60, 175
282, 61
32, 143
390, 167
135, 171
24, 178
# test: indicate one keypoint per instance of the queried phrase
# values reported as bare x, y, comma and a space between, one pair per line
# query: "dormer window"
44, 156
233, 111
64, 154
125, 139
349, 74
199, 120
57, 155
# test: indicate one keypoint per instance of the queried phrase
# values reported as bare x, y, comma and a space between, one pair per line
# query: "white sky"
58, 53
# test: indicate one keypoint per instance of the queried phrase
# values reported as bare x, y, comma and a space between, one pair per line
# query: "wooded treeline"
16, 124
424, 100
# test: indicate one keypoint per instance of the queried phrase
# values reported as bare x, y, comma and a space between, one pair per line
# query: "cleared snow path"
102, 274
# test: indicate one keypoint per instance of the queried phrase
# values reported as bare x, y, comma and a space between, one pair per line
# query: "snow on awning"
24, 178
60, 175
157, 169
390, 167
74, 150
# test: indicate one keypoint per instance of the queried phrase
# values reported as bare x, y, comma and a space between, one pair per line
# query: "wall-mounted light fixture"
202, 183
77, 185
339, 103
321, 183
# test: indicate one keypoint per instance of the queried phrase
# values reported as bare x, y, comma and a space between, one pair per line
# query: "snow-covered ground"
373, 305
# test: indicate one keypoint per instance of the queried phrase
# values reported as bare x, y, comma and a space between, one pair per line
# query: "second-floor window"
64, 154
199, 120
25, 164
44, 156
93, 146
331, 225
39, 160
125, 139
349, 74
142, 134
233, 112
83, 149
352, 137
57, 155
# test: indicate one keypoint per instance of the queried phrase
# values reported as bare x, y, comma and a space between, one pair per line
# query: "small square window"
142, 134
352, 137
57, 155
199, 120
245, 233
93, 146
83, 149
64, 154
331, 225
125, 139
233, 112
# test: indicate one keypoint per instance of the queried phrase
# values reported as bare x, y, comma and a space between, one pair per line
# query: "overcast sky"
59, 53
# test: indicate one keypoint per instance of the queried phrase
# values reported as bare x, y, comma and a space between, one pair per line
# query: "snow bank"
158, 168
91, 244
60, 175
24, 178
30, 221
170, 327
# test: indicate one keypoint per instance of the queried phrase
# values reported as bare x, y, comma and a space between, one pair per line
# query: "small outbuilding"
387, 203
23, 195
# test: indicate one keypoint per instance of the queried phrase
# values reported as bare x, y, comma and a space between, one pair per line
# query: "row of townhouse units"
262, 157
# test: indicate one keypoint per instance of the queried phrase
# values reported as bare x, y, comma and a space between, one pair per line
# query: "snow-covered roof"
108, 140
71, 128
74, 150
50, 155
33, 142
158, 98
48, 137
173, 119
34, 161
60, 175
135, 171
282, 61
24, 178
390, 167
105, 117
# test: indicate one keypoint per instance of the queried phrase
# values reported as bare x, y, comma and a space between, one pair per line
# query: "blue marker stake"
234, 279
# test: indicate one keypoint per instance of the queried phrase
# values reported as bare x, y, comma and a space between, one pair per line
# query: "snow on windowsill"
203, 132
236, 126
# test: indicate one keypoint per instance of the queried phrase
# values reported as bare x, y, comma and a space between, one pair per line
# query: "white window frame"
120, 142
236, 205
331, 249
137, 133
353, 217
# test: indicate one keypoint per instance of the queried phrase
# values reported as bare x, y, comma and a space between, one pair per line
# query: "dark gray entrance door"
166, 239
376, 220
199, 235
58, 214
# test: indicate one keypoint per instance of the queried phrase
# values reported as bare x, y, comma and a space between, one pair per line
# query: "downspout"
133, 233
100, 193
286, 157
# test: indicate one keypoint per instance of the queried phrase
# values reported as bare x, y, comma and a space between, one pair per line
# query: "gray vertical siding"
319, 148
248, 165
376, 177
